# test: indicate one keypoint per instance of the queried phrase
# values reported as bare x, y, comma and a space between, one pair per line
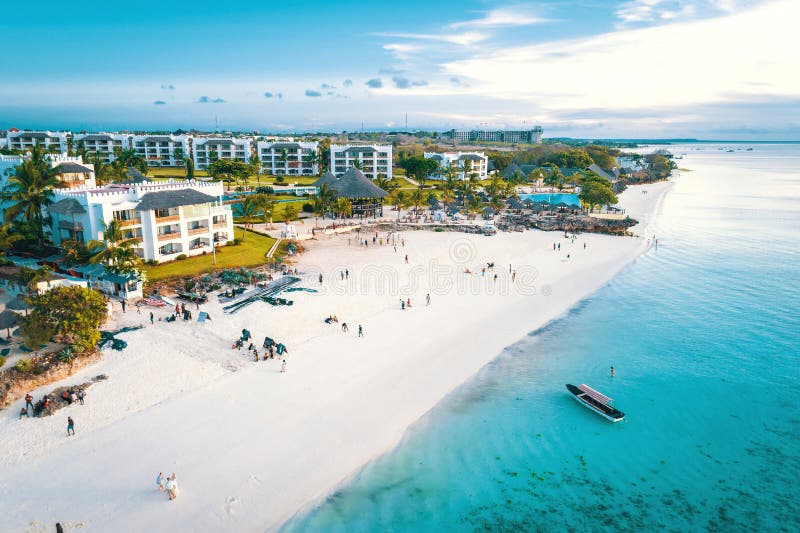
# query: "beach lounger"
4, 342
4, 352
25, 348
201, 316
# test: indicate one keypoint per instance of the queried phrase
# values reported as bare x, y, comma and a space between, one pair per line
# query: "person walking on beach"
81, 395
70, 426
320, 279
28, 401
345, 329
559, 247
513, 276
151, 317
160, 481
172, 487
402, 304
346, 274
360, 331
584, 246
138, 308
123, 305
428, 299
342, 274
283, 366
406, 258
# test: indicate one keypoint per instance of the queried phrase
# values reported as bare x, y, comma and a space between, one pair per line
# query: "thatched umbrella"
18, 304
8, 319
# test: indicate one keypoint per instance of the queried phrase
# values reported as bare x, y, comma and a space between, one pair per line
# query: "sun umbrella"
8, 319
17, 304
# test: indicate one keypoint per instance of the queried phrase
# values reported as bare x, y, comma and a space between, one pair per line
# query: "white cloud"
462, 39
654, 11
500, 17
747, 55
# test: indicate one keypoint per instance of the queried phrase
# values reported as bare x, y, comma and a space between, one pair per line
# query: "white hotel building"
167, 218
374, 159
103, 144
162, 150
289, 158
55, 141
205, 149
477, 167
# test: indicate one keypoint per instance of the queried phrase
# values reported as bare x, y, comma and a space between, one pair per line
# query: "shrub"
180, 257
151, 262
2, 360
308, 208
279, 179
25, 365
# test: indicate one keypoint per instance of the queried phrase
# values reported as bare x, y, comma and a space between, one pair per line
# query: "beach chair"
4, 352
201, 317
4, 342
25, 348
280, 348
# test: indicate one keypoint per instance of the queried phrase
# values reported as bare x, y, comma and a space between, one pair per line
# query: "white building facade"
52, 141
102, 144
289, 158
372, 159
162, 150
466, 164
167, 218
206, 150
72, 172
531, 136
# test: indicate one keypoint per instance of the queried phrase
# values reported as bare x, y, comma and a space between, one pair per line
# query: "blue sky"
583, 68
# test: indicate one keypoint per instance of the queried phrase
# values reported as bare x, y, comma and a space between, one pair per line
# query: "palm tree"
398, 199
7, 238
312, 158
115, 251
474, 205
265, 204
358, 164
326, 196
129, 158
255, 168
344, 208
417, 199
284, 157
249, 207
384, 183
30, 191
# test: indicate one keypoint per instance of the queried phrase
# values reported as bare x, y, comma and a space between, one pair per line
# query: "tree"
343, 208
228, 170
128, 158
554, 178
399, 200
418, 198
419, 167
501, 160
30, 192
7, 238
255, 168
115, 251
189, 168
383, 182
575, 158
266, 204
249, 207
290, 212
324, 199
596, 191
72, 313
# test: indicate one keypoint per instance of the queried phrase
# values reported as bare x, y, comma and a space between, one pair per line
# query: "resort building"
467, 165
52, 141
162, 150
289, 158
371, 159
72, 172
365, 197
7, 165
102, 144
531, 136
207, 150
167, 218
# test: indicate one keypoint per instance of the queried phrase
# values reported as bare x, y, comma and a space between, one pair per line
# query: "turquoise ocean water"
705, 337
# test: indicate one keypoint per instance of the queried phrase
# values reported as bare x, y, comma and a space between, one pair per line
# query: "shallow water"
703, 332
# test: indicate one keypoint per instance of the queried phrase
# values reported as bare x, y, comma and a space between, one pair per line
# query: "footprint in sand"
230, 502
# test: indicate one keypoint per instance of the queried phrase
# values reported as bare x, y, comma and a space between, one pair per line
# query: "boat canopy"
605, 400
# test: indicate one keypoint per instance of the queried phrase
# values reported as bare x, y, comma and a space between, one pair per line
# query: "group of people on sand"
333, 319
271, 348
168, 484
41, 408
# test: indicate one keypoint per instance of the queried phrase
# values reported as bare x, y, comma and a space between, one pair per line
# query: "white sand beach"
251, 446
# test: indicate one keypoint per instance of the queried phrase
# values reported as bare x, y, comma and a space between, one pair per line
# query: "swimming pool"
553, 199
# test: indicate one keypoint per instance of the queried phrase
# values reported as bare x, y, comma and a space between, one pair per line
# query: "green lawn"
247, 254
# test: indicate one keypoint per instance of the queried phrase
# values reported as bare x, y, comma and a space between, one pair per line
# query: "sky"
708, 69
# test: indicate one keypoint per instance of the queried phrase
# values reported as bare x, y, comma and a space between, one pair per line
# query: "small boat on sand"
596, 401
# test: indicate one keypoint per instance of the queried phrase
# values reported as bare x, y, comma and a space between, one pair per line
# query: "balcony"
129, 222
220, 223
169, 236
167, 218
198, 230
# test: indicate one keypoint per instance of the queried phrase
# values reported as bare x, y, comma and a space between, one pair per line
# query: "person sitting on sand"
344, 327
23, 412
408, 303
